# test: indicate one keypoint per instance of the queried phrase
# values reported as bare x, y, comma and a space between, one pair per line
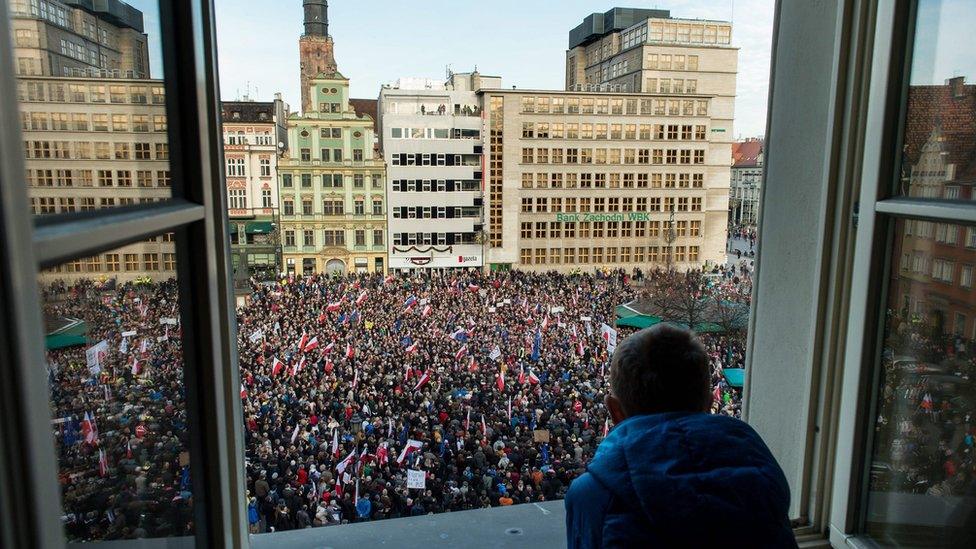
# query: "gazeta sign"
562, 217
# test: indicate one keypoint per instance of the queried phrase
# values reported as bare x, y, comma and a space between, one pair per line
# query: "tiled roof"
952, 109
745, 154
248, 111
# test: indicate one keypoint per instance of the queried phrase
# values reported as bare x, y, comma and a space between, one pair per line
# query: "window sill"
528, 525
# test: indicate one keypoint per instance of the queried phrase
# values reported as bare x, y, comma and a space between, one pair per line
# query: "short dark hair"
661, 369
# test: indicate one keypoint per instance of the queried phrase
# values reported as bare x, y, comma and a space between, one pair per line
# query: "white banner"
416, 479
557, 309
610, 336
495, 353
95, 355
256, 336
130, 333
168, 320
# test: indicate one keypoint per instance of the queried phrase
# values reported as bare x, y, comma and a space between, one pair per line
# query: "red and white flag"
349, 460
135, 366
389, 279
350, 352
243, 391
500, 381
355, 379
545, 323
422, 381
409, 372
334, 306
473, 288
303, 341
461, 352
297, 367
102, 463
362, 298
484, 426
328, 348
533, 379
311, 344
382, 454
467, 420
473, 365
335, 443
521, 378
412, 348
276, 367
411, 447
428, 310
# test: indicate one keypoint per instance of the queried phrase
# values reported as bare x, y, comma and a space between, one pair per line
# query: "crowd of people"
485, 389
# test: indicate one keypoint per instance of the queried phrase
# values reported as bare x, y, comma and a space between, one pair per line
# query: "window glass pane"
92, 105
940, 133
922, 467
114, 357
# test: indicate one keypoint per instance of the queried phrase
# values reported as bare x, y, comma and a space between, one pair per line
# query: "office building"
333, 211
583, 180
79, 38
113, 132
431, 136
254, 136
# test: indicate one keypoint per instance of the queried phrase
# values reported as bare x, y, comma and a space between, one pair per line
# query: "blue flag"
536, 346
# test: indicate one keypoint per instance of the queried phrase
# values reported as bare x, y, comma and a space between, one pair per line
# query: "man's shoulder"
586, 489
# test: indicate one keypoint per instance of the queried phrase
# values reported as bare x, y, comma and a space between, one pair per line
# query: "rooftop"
247, 111
598, 25
745, 154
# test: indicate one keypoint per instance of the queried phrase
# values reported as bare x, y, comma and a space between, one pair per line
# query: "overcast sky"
523, 41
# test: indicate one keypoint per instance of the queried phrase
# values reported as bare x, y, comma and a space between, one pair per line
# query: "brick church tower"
315, 48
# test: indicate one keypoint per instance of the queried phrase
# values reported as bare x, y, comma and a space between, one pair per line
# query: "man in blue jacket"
670, 474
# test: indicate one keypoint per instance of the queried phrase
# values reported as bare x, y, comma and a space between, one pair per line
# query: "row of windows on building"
943, 233
438, 185
241, 138
942, 270
623, 106
434, 239
332, 206
120, 94
332, 180
432, 109
332, 237
642, 180
330, 155
600, 255
97, 122
69, 204
237, 167
607, 229
434, 133
545, 155
437, 212
435, 159
237, 199
556, 204
98, 178
99, 150
642, 132
114, 263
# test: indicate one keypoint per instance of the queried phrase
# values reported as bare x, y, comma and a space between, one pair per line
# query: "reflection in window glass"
117, 395
93, 117
922, 470
940, 119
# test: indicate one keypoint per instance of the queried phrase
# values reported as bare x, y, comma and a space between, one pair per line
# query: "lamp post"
670, 237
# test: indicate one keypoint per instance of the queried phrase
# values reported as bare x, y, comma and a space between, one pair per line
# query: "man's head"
659, 369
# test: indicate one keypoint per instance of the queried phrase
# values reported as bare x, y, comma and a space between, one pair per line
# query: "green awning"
259, 227
638, 321
735, 376
61, 341
624, 311
233, 228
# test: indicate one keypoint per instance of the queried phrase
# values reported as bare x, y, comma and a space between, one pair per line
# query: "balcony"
529, 525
